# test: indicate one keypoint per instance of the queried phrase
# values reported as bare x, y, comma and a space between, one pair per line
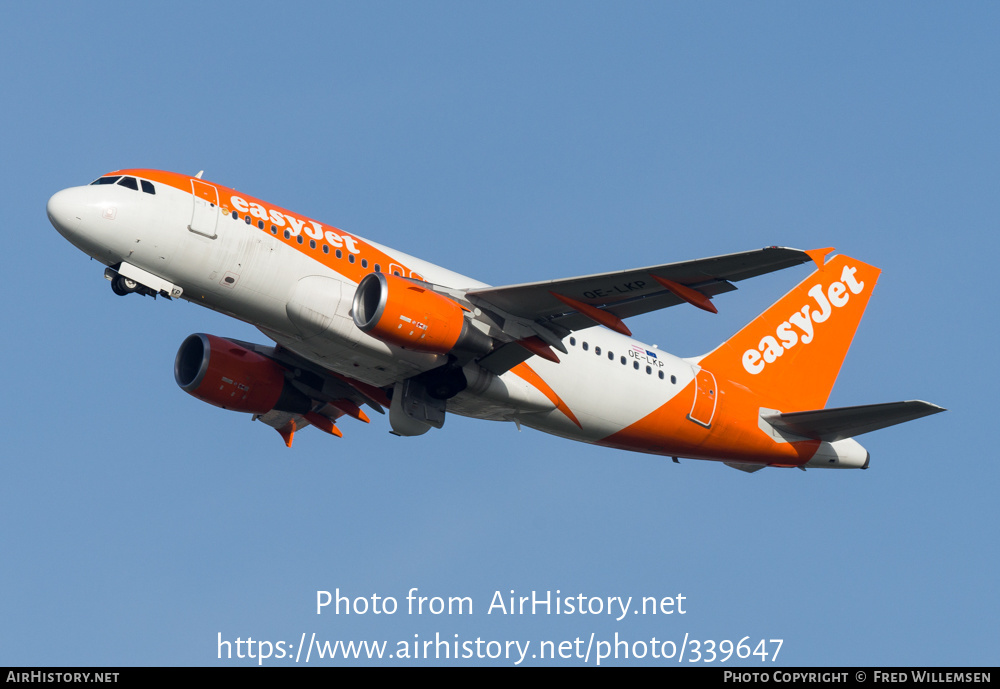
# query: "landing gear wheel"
122, 285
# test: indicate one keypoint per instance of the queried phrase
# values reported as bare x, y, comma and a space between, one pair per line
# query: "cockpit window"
127, 182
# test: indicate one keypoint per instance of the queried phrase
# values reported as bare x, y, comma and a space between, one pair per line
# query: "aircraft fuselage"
295, 279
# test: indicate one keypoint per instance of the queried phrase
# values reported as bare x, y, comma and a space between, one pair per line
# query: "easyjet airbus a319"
358, 326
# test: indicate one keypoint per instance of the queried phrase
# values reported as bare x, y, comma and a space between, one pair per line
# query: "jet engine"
227, 375
408, 315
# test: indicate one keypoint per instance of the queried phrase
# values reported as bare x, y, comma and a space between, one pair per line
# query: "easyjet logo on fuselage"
799, 327
296, 226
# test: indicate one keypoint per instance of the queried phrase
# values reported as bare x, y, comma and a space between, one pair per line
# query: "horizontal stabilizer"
846, 422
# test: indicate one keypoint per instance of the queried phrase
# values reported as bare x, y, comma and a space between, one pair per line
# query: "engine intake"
227, 375
400, 312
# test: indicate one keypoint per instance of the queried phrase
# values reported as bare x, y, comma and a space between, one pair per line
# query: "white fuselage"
304, 303
296, 280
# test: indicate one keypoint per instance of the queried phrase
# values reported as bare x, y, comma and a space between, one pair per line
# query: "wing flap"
846, 422
505, 357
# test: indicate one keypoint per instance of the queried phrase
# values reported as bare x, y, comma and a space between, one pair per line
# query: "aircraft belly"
341, 356
476, 407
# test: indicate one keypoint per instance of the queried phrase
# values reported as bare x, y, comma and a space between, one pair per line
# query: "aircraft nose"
65, 211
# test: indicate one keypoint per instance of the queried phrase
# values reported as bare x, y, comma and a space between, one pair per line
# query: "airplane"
357, 325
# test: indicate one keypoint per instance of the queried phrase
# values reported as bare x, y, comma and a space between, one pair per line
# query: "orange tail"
790, 355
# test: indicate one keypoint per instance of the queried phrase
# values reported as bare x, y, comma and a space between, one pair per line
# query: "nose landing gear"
122, 285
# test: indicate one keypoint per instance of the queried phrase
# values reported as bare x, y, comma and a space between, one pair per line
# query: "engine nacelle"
227, 375
403, 313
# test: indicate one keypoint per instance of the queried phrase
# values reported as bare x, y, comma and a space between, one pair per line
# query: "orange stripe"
522, 370
733, 436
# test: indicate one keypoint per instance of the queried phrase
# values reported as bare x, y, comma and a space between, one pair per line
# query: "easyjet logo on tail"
800, 326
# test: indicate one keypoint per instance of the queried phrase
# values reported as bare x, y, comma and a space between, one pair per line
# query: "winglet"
819, 255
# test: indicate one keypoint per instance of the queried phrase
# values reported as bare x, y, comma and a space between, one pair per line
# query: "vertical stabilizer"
790, 355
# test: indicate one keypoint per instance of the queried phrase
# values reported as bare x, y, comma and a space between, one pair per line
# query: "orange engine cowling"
227, 375
408, 315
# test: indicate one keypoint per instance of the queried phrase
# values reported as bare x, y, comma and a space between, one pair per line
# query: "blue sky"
516, 142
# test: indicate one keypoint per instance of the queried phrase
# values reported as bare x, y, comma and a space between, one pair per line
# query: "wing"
332, 395
539, 315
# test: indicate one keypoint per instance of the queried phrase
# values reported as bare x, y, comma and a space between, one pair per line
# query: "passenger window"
129, 183
597, 351
106, 180
585, 346
147, 186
